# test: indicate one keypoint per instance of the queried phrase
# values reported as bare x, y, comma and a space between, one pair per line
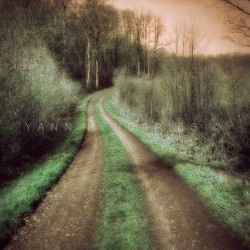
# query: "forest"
121, 131
52, 52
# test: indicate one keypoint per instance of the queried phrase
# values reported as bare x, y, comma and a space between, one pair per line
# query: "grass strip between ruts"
123, 224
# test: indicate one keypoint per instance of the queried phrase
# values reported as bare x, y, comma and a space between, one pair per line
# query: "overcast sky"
208, 18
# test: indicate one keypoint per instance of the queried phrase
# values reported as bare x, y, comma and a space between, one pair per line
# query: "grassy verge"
123, 223
227, 196
18, 198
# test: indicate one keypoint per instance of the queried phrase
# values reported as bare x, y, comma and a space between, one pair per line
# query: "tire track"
178, 219
67, 217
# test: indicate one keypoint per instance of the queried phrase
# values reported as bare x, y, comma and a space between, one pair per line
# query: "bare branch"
236, 5
236, 17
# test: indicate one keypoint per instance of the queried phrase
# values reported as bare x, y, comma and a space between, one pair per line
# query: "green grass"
18, 198
228, 197
123, 222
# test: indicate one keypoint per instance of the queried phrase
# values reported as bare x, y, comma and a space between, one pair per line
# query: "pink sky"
207, 17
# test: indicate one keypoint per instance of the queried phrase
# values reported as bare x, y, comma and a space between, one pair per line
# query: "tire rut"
177, 217
67, 217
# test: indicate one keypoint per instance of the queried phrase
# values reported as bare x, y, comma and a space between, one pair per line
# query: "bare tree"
146, 19
236, 16
138, 39
158, 33
159, 30
98, 20
148, 40
186, 79
127, 31
64, 4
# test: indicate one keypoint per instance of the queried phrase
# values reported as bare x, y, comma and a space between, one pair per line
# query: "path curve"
177, 217
66, 218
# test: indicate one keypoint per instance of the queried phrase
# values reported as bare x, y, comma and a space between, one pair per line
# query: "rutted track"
178, 219
66, 218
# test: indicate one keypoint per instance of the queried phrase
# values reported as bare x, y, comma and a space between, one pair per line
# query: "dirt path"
66, 218
178, 219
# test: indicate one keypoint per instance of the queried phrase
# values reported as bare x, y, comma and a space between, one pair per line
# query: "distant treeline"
90, 39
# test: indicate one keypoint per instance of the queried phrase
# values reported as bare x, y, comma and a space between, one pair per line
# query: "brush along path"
178, 219
66, 218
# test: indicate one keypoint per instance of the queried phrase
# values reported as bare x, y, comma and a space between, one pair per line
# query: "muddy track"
177, 217
66, 218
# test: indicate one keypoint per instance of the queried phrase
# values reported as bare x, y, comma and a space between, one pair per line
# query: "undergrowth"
227, 196
18, 198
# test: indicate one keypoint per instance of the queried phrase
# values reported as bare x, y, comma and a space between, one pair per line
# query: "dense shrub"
221, 112
33, 91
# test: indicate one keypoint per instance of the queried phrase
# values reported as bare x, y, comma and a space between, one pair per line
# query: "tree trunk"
139, 68
97, 84
193, 99
148, 64
88, 64
64, 46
